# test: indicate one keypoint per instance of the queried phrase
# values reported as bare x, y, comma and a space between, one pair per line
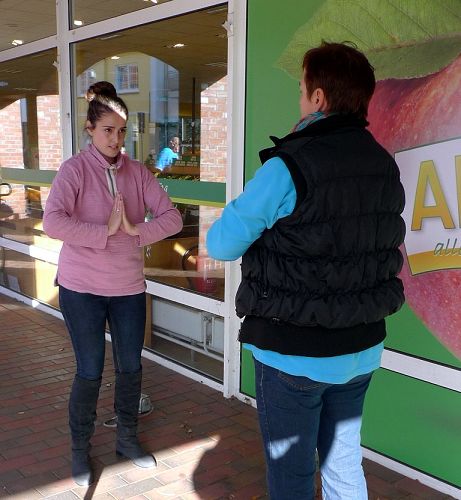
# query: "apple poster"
415, 113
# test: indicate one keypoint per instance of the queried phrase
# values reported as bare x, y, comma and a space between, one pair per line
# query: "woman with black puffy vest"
319, 230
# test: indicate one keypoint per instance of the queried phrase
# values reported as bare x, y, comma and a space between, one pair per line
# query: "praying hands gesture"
119, 220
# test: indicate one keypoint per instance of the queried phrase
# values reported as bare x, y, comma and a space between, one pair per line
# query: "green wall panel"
247, 385
272, 101
180, 191
407, 334
416, 423
409, 420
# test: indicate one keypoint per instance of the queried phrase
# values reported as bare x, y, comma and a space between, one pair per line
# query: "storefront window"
30, 147
188, 336
182, 260
24, 22
88, 12
28, 276
174, 82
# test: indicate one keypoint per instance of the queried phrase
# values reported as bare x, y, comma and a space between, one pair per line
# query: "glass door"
172, 74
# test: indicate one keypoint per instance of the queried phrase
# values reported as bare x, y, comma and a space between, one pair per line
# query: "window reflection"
161, 114
177, 127
182, 260
30, 122
89, 11
150, 89
28, 276
29, 112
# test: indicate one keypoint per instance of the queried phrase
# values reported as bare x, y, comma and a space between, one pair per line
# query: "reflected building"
174, 82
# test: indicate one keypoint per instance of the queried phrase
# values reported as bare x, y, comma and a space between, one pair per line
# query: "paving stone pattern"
207, 447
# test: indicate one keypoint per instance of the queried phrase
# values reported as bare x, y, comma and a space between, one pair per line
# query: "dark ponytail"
102, 99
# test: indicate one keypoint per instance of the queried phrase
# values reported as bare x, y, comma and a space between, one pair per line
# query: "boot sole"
88, 482
152, 466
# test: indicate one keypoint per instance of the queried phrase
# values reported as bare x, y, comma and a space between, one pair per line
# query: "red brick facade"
11, 138
213, 132
48, 157
213, 159
49, 132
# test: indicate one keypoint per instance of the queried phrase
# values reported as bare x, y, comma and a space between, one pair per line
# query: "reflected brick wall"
213, 159
213, 132
49, 147
11, 137
49, 132
11, 151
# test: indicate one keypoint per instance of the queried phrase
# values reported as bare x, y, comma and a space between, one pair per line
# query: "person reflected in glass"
168, 155
319, 229
96, 206
149, 162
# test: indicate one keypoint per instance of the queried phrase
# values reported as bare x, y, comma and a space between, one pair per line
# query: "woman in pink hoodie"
97, 207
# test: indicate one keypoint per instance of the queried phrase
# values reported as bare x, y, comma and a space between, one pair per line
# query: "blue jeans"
297, 416
85, 315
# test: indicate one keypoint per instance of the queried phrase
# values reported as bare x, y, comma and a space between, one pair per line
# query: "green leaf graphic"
401, 38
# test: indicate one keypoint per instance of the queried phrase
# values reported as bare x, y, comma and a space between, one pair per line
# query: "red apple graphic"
407, 113
415, 48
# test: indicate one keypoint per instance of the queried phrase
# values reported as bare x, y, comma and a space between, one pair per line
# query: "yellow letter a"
428, 178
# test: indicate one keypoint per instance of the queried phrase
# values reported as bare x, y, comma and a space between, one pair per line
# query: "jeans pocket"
300, 383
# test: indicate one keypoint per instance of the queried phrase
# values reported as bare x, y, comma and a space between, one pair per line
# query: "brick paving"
207, 447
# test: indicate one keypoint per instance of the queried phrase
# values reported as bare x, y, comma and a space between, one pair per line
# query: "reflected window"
126, 78
84, 81
174, 82
30, 119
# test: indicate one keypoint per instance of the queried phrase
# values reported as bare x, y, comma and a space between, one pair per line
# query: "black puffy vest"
321, 281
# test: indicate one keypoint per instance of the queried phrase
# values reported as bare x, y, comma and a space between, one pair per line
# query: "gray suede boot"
127, 392
82, 415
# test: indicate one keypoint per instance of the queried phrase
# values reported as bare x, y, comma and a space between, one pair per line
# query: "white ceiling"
202, 32
27, 20
91, 11
31, 20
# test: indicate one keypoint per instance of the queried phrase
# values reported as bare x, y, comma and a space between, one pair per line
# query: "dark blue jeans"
297, 416
85, 316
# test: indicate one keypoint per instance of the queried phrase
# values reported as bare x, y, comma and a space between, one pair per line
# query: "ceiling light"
78, 22
153, 1
115, 57
217, 64
108, 37
176, 46
17, 42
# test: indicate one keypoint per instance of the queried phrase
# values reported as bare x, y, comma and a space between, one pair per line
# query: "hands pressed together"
119, 220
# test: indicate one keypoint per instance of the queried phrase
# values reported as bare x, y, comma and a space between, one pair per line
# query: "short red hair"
344, 74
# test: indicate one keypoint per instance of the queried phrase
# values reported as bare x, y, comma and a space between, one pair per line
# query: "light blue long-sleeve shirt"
166, 158
269, 196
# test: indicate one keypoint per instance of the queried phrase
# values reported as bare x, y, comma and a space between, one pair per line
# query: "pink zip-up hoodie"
78, 209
